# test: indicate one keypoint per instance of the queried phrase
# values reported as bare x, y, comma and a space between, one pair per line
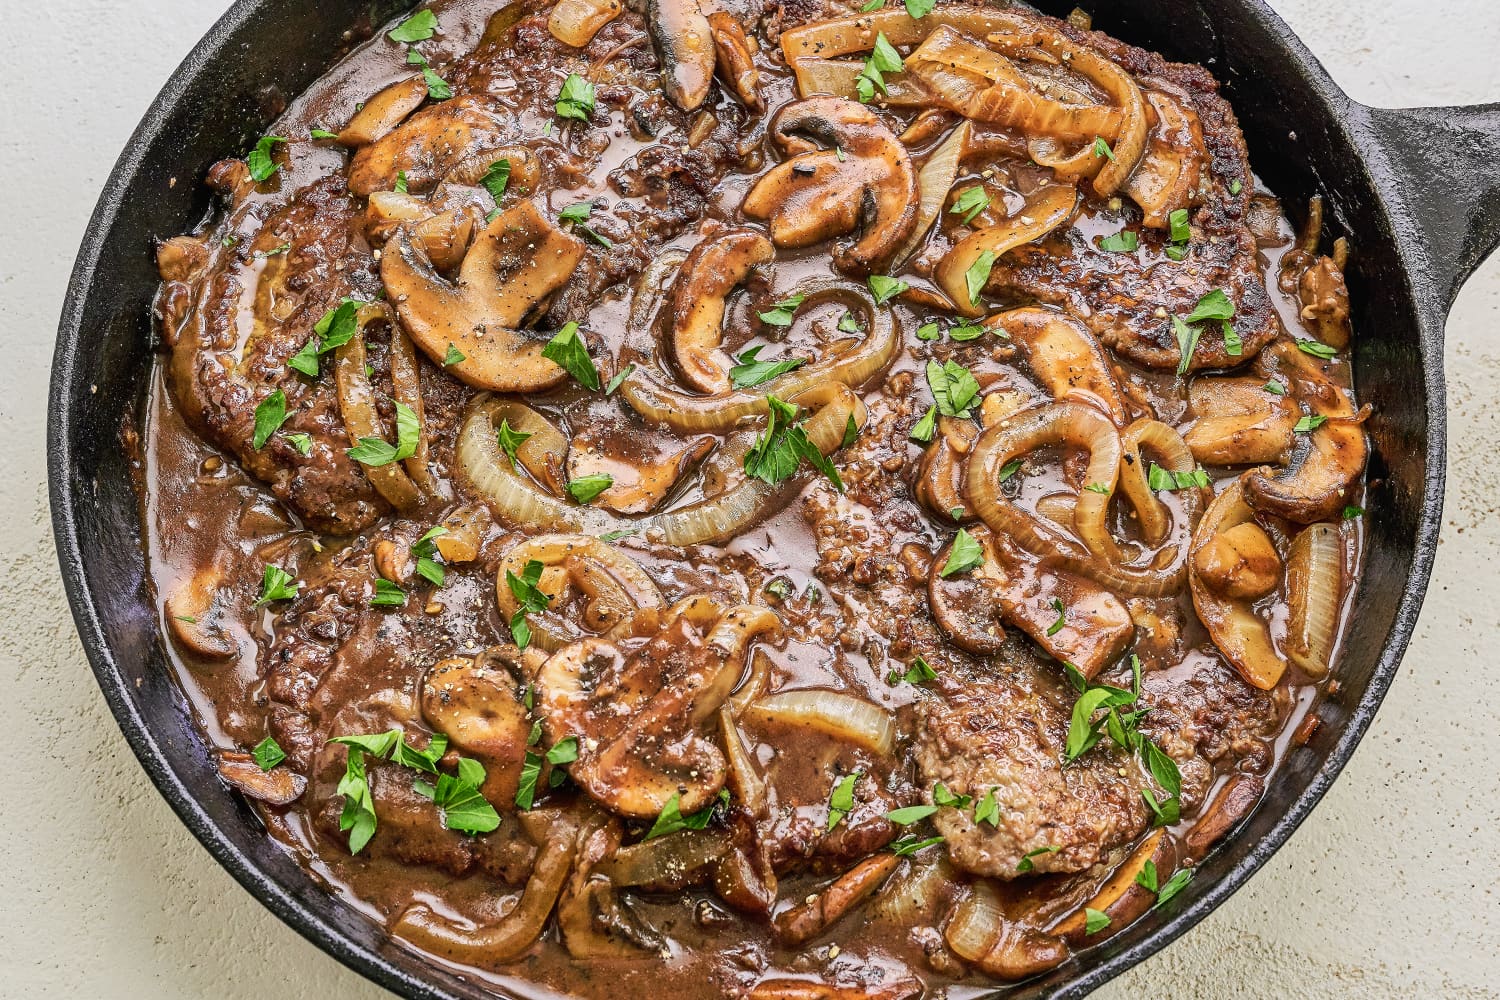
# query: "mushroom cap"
514, 265
861, 182
685, 46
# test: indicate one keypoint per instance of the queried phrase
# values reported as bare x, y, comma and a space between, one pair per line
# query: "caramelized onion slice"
380, 115
837, 77
1314, 583
515, 932
1121, 897
1162, 441
980, 933
839, 715
511, 495
851, 365
1046, 210
665, 859
576, 22
1241, 635
934, 181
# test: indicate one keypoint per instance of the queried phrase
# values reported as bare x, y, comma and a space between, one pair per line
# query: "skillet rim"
1069, 980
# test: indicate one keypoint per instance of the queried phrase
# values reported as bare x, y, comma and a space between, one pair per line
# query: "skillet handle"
1446, 164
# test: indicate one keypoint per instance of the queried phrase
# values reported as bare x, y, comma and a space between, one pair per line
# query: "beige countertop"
1389, 890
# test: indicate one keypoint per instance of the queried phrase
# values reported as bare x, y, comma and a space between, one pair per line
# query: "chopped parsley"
417, 28
530, 598
387, 595
1094, 920
1125, 241
942, 797
1101, 148
618, 379
576, 99
453, 356
849, 323
1316, 349
841, 800
671, 820
322, 133
1309, 424
375, 452
462, 806
585, 488
954, 388
259, 160
970, 202
1235, 187
1062, 617
978, 275
1213, 306
268, 754
987, 810
778, 451
885, 288
883, 59
270, 414
910, 814
1010, 468
510, 439
437, 87
926, 428
429, 566
578, 214
918, 9
781, 314
1275, 388
1026, 864
301, 442
910, 845
276, 585
567, 349
401, 182
1351, 512
965, 555
919, 672
495, 180
929, 331
1160, 479
1099, 488
751, 371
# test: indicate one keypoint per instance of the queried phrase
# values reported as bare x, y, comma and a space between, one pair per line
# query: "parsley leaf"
276, 585
463, 807
782, 313
322, 133
907, 846
387, 595
496, 178
417, 28
1187, 343
919, 672
778, 451
1062, 617
1309, 424
531, 771
302, 442
401, 182
885, 288
954, 388
929, 331
1026, 864
1101, 148
1275, 388
1094, 920
576, 99
751, 371
259, 160
1173, 887
1164, 479
1214, 305
1351, 512
618, 379
530, 598
883, 59
671, 820
567, 349
268, 753
987, 810
425, 549
1179, 230
453, 356
910, 814
1316, 349
375, 452
926, 428
970, 202
918, 9
841, 800
510, 440
965, 555
585, 488
978, 275
358, 815
849, 323
941, 796
1125, 241
270, 414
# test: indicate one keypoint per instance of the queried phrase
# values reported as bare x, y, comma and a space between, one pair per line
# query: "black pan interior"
1305, 136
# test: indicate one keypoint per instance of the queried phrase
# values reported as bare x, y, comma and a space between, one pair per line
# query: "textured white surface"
1389, 890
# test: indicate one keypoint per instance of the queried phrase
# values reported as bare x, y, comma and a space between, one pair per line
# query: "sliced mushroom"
713, 269
637, 715
1121, 897
196, 618
610, 588
279, 786
1318, 282
382, 113
685, 46
1232, 804
736, 58
477, 704
1167, 177
1012, 586
429, 144
1327, 461
807, 920
1238, 632
515, 264
592, 919
1239, 562
1236, 421
862, 181
1064, 357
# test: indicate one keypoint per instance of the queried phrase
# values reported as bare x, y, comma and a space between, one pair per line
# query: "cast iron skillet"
1416, 191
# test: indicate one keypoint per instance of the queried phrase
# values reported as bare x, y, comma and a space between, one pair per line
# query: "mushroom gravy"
856, 506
